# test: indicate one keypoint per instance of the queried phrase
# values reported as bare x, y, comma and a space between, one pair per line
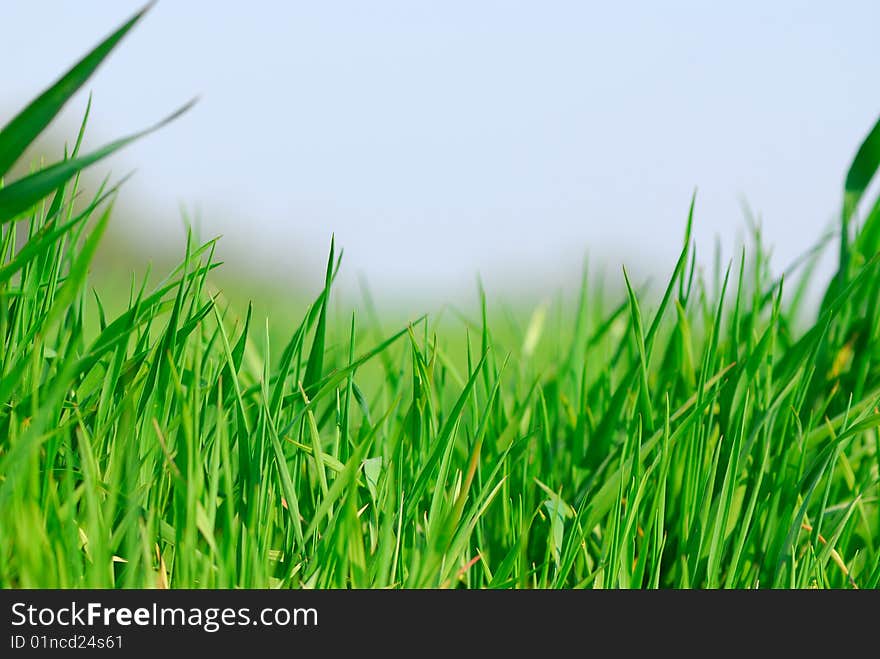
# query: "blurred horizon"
440, 142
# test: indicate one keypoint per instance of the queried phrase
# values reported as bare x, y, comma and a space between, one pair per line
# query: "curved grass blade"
24, 128
862, 170
24, 193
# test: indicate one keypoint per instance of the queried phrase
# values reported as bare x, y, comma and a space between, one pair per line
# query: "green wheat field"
716, 431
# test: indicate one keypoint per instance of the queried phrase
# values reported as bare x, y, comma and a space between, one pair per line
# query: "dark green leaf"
24, 128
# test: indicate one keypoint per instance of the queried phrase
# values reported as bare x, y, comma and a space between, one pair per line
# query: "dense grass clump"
720, 434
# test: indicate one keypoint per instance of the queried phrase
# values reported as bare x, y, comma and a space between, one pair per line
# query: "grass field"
724, 432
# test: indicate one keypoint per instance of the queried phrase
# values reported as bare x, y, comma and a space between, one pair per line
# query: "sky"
442, 140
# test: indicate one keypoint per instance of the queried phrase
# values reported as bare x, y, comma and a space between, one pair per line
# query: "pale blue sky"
439, 139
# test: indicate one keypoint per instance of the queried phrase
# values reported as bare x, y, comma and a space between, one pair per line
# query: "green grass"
724, 433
